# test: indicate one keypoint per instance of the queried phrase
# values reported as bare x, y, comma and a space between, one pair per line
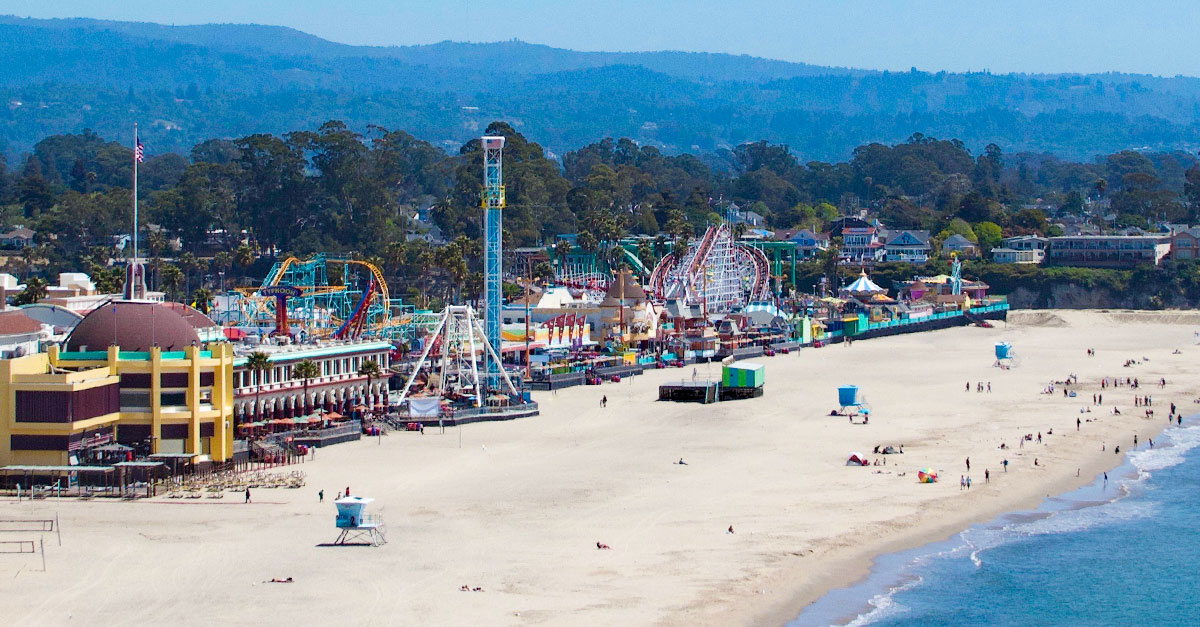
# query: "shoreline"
859, 574
517, 508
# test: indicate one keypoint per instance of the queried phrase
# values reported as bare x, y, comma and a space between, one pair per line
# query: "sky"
1141, 36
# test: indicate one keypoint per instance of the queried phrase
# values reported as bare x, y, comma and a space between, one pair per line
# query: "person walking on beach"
968, 464
1005, 464
989, 387
604, 401
968, 386
347, 491
247, 495
1100, 399
321, 496
1078, 422
1135, 440
968, 483
962, 482
987, 476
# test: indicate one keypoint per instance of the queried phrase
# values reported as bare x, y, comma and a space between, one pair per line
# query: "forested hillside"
188, 84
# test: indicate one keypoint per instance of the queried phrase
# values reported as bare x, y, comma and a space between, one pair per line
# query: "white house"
958, 244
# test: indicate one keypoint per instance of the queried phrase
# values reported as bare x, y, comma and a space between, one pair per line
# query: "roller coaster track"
716, 272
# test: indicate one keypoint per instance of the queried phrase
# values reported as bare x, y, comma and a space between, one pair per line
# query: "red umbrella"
234, 333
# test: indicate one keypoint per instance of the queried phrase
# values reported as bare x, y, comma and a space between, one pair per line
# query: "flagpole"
135, 190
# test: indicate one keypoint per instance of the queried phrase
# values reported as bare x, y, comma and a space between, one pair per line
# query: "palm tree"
222, 262
203, 298
369, 369
188, 264
35, 290
562, 248
258, 362
243, 257
172, 276
305, 370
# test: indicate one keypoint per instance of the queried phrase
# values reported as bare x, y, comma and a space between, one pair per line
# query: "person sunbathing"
277, 580
601, 545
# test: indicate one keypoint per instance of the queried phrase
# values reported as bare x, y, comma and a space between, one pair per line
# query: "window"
173, 399
135, 400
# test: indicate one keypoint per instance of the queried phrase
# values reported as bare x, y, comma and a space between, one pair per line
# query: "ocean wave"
884, 606
974, 542
1180, 441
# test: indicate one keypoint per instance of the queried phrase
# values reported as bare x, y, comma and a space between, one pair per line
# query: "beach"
517, 508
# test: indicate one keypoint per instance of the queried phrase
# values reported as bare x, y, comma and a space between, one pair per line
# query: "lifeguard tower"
852, 402
1006, 357
356, 524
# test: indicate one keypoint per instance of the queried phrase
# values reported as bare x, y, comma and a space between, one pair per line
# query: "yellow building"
151, 386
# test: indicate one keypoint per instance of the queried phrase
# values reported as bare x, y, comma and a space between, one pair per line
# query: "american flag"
139, 153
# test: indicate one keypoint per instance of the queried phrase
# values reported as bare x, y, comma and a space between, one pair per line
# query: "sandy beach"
517, 508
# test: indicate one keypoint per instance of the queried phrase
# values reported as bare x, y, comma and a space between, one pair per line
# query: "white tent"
863, 285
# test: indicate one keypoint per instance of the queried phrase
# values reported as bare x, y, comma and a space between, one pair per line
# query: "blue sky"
1146, 36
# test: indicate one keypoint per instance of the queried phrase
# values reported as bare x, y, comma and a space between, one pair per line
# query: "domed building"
135, 326
134, 372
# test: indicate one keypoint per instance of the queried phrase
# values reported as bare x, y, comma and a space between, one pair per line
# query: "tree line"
216, 216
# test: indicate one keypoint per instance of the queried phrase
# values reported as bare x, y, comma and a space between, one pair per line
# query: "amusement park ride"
299, 293
450, 361
716, 273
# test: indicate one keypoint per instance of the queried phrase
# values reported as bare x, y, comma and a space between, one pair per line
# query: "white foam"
977, 540
1147, 460
884, 606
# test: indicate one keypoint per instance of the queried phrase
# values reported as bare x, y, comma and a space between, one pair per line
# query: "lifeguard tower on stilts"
852, 402
1006, 356
356, 524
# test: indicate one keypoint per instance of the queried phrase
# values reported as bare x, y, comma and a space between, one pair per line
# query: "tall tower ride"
493, 246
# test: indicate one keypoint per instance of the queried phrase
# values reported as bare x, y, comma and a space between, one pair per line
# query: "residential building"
906, 246
18, 237
1185, 244
737, 215
958, 244
1012, 255
1025, 242
1108, 250
862, 245
808, 243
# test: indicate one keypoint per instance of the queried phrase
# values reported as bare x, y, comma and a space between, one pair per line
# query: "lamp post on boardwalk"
528, 277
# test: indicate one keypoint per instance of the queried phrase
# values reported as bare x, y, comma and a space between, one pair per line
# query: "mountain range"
191, 83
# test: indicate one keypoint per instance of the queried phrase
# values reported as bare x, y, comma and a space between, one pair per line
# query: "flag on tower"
139, 153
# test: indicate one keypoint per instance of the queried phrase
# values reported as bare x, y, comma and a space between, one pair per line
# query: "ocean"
1121, 552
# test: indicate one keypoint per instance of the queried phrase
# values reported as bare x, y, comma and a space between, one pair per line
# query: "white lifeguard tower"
356, 524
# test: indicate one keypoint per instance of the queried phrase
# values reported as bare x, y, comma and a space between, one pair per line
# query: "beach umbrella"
927, 475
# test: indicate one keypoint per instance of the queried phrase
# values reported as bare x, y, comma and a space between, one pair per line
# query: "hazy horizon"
1071, 36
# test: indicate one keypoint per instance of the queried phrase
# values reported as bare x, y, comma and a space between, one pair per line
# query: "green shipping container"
743, 374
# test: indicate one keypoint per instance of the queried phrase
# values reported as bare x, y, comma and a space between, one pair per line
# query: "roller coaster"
716, 273
359, 305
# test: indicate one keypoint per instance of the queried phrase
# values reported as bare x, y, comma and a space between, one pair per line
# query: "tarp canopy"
429, 407
856, 459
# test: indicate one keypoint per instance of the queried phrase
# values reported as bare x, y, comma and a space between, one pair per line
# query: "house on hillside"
737, 215
958, 244
1109, 251
862, 245
908, 246
807, 243
17, 238
1185, 244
